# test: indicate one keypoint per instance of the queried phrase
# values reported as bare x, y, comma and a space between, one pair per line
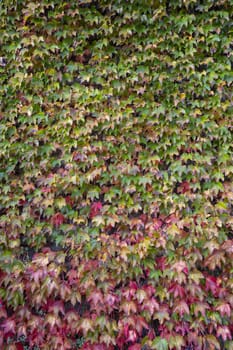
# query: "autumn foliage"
116, 175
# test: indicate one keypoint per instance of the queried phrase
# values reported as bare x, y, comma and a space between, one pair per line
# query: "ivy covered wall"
116, 174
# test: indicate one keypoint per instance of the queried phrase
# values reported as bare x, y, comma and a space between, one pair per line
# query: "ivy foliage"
116, 174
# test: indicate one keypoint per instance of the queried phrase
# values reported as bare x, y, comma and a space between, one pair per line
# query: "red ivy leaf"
212, 284
69, 200
151, 334
224, 332
171, 219
56, 307
150, 305
157, 223
46, 189
129, 307
184, 187
200, 307
181, 308
22, 202
95, 297
177, 290
224, 309
180, 266
37, 275
161, 263
132, 336
95, 209
8, 326
136, 346
129, 292
182, 328
57, 219
138, 322
111, 300
72, 276
143, 217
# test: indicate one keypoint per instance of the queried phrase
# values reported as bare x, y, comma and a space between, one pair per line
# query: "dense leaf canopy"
116, 174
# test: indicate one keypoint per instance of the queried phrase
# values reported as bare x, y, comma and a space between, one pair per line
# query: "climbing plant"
116, 174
